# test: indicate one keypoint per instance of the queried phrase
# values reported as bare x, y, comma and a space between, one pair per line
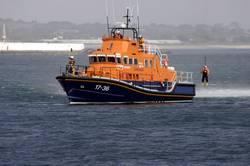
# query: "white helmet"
71, 57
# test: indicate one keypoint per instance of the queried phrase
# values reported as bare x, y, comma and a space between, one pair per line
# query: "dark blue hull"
99, 90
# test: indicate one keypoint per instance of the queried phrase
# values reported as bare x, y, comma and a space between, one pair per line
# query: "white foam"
222, 92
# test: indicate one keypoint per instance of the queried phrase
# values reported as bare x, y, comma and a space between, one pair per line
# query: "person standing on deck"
71, 64
204, 73
141, 42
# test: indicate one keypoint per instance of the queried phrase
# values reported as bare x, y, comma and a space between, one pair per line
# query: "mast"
138, 17
127, 27
127, 18
138, 25
108, 24
107, 15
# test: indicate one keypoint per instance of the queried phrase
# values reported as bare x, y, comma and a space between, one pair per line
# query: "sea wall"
20, 46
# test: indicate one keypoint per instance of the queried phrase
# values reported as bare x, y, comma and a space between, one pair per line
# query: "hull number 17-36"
102, 88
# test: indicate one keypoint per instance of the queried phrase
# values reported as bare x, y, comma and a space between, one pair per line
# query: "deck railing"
149, 49
184, 77
107, 72
115, 73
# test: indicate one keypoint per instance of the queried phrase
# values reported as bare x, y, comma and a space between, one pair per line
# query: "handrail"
81, 71
184, 77
152, 49
109, 72
171, 88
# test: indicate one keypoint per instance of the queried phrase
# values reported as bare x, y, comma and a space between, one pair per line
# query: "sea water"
39, 127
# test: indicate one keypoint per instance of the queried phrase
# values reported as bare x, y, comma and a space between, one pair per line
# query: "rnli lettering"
102, 88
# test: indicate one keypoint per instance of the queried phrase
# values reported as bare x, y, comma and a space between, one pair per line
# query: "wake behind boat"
125, 70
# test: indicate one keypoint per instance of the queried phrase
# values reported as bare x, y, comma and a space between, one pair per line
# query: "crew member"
141, 42
118, 34
205, 73
165, 62
71, 65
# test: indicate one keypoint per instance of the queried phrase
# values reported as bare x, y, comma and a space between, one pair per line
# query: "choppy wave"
220, 92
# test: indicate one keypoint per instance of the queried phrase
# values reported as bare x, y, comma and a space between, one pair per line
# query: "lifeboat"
126, 70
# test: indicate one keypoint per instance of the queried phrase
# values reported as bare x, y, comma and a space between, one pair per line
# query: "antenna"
4, 33
108, 24
138, 21
106, 6
113, 9
127, 18
137, 7
107, 13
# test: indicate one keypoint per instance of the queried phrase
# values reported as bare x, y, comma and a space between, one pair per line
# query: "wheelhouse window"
146, 63
92, 59
135, 62
111, 59
125, 60
130, 61
151, 63
118, 59
102, 59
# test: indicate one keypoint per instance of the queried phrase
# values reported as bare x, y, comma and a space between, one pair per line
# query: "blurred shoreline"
163, 46
206, 46
189, 46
